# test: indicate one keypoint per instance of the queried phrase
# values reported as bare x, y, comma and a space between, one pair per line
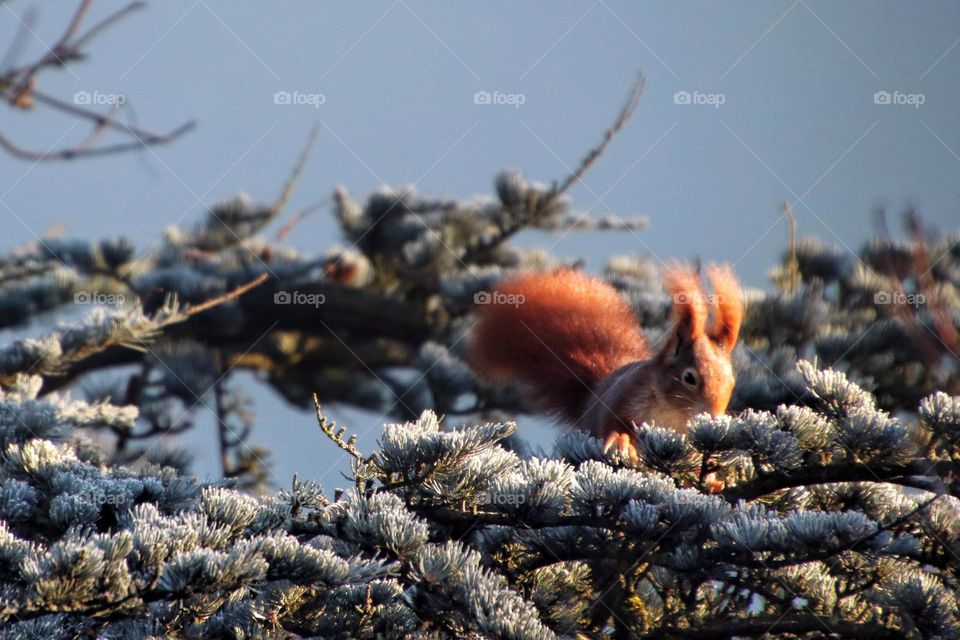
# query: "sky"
835, 108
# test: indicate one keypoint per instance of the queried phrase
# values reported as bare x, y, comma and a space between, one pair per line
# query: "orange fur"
728, 309
689, 303
566, 334
574, 345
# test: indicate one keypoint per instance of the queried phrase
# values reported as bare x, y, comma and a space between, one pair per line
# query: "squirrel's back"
559, 334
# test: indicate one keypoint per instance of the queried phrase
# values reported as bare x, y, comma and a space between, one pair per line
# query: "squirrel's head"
695, 374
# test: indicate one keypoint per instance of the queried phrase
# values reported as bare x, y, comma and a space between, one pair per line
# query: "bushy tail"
558, 334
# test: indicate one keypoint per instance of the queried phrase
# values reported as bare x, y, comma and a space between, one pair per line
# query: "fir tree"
838, 514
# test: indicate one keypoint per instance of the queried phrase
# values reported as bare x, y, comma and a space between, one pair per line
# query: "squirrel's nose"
716, 406
720, 407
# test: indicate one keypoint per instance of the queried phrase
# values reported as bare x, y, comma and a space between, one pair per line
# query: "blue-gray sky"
798, 120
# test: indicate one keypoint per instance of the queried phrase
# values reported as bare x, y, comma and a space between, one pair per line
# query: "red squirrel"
573, 344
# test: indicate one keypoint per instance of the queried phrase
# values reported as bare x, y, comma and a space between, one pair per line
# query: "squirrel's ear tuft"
727, 306
689, 304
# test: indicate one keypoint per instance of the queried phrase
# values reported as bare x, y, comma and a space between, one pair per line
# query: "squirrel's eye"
690, 378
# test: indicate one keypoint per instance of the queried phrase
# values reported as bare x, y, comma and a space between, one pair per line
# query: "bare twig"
108, 22
298, 217
792, 280
18, 88
906, 474
625, 114
230, 295
20, 39
174, 318
143, 136
535, 208
64, 50
71, 153
298, 168
99, 130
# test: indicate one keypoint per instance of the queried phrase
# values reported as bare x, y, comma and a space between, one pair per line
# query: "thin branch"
227, 297
793, 265
450, 516
19, 39
298, 168
625, 114
173, 318
75, 23
98, 131
506, 231
330, 430
64, 50
773, 624
298, 217
392, 328
18, 88
72, 153
854, 472
409, 482
145, 137
226, 466
107, 22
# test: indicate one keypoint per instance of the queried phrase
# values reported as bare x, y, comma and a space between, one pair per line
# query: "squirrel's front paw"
713, 484
622, 443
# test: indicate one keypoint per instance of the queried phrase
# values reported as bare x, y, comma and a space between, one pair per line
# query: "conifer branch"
329, 429
907, 474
